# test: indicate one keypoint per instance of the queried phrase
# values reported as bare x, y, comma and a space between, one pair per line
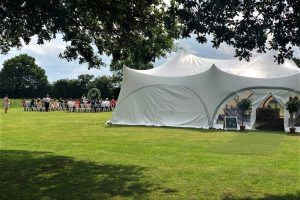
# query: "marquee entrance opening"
270, 115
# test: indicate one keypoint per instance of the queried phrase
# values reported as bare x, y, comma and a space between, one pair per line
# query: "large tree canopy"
136, 32
22, 77
119, 28
247, 25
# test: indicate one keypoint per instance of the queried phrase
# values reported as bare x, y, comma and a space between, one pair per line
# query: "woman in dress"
6, 103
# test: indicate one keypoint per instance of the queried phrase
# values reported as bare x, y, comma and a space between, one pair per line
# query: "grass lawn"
61, 155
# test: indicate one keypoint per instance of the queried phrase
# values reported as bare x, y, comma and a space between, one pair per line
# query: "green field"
61, 155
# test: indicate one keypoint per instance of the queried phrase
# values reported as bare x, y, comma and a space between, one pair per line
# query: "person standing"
93, 105
6, 103
32, 104
47, 102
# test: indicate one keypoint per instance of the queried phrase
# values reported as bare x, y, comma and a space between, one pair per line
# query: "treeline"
74, 88
21, 77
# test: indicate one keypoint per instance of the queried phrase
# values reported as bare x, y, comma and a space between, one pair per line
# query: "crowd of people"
73, 105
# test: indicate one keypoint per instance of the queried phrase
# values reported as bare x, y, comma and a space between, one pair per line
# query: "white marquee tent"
188, 91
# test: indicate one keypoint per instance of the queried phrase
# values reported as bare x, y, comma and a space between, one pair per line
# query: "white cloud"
296, 52
54, 46
47, 57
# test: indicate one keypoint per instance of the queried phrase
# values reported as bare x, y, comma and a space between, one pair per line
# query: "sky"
47, 57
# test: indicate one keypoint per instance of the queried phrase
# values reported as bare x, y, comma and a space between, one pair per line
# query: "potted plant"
244, 105
292, 107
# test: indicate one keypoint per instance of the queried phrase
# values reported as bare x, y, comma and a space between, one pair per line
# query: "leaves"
22, 77
293, 105
250, 25
92, 28
244, 104
135, 32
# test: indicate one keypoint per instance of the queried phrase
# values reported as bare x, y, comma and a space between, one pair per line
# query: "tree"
136, 32
245, 24
75, 88
292, 106
104, 84
60, 88
107, 85
22, 77
92, 28
244, 105
65, 88
85, 82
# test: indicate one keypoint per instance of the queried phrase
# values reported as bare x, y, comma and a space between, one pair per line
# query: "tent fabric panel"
162, 105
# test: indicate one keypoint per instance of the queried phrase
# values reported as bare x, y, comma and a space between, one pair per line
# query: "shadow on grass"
41, 175
295, 196
201, 130
293, 134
